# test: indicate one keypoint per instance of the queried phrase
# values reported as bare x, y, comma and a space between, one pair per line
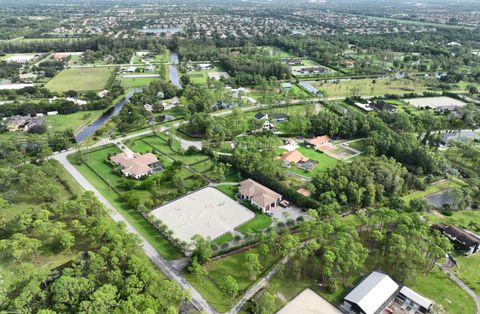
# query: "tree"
230, 287
253, 264
203, 250
266, 303
197, 270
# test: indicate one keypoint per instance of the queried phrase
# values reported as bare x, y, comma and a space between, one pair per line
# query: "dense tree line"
249, 70
404, 147
364, 183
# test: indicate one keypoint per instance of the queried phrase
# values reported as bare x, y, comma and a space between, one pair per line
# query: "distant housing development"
137, 165
259, 196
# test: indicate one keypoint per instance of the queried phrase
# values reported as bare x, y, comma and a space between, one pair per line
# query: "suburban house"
378, 293
61, 56
348, 63
462, 240
279, 117
259, 196
136, 165
267, 125
292, 157
296, 158
318, 141
464, 136
383, 106
312, 70
17, 122
304, 192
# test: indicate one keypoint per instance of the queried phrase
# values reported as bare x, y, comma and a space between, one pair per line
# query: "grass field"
75, 121
360, 145
234, 265
81, 79
449, 297
366, 87
468, 271
460, 218
324, 162
133, 82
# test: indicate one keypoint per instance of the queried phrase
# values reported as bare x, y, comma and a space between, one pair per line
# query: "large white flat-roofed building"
259, 196
206, 212
308, 302
374, 293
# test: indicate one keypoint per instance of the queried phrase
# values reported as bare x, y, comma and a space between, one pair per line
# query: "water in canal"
95, 125
174, 75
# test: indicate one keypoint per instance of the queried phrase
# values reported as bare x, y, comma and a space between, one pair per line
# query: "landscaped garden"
324, 162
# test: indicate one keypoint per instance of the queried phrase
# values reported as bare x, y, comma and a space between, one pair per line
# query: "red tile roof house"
136, 165
293, 157
318, 141
259, 196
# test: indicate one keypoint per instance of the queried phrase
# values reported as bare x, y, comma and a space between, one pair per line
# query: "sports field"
82, 79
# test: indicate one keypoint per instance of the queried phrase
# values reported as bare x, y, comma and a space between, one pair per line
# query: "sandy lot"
434, 102
207, 212
308, 302
218, 75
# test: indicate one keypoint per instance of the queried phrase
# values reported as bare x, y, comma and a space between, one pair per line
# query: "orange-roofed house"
137, 165
319, 141
293, 157
59, 56
349, 63
304, 192
259, 196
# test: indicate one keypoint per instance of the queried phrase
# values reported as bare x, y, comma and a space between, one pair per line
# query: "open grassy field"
234, 265
75, 121
201, 77
133, 82
460, 218
468, 271
371, 87
81, 79
449, 297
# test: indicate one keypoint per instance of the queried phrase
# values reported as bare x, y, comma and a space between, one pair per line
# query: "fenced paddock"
206, 212
434, 102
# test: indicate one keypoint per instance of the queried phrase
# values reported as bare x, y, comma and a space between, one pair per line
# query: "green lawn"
162, 58
75, 121
82, 79
449, 297
159, 143
227, 237
259, 223
133, 82
366, 87
449, 184
230, 190
324, 162
468, 271
459, 218
234, 265
203, 166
